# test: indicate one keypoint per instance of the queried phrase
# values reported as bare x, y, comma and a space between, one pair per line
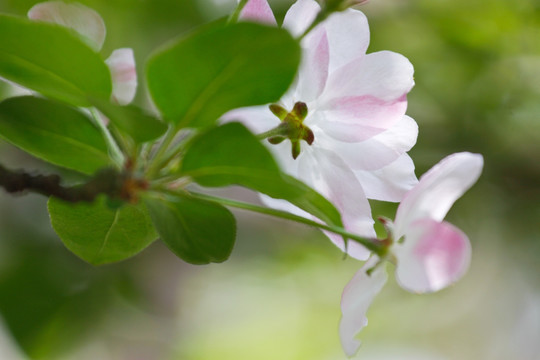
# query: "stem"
106, 181
321, 16
236, 14
373, 245
177, 150
156, 161
277, 131
116, 154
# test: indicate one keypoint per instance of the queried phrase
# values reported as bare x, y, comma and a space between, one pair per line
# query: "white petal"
121, 63
357, 118
355, 301
85, 21
326, 173
284, 205
313, 70
376, 152
433, 256
300, 15
258, 11
258, 119
348, 35
384, 75
438, 189
282, 155
390, 183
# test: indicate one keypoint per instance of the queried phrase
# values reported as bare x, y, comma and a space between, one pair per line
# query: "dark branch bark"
107, 181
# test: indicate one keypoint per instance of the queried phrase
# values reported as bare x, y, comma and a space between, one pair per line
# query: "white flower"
89, 25
433, 253
356, 104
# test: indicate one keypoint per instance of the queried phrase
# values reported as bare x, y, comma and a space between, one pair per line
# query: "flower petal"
348, 35
300, 15
384, 75
258, 11
327, 173
390, 183
121, 63
313, 70
85, 21
438, 189
433, 256
355, 301
376, 152
357, 118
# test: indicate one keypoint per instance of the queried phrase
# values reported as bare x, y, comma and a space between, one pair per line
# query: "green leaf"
219, 68
98, 234
230, 154
198, 231
53, 132
52, 60
132, 121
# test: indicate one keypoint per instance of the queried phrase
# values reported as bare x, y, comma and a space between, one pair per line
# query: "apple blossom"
89, 25
350, 143
430, 254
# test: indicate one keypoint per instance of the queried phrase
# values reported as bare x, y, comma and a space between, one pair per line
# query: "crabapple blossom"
124, 77
350, 143
430, 254
89, 25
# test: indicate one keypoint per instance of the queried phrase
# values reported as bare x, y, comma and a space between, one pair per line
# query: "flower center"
292, 127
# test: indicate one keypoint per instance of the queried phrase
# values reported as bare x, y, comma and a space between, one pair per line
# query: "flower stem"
156, 162
277, 131
236, 14
373, 245
115, 151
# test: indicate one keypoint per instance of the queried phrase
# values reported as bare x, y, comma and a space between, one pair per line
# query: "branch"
106, 181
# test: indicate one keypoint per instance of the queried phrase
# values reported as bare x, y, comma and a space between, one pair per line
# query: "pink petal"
390, 183
313, 70
384, 75
85, 21
433, 256
327, 173
300, 15
121, 63
357, 118
376, 152
258, 11
348, 35
355, 301
438, 189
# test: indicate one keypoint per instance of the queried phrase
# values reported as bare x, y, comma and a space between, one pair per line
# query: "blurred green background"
477, 73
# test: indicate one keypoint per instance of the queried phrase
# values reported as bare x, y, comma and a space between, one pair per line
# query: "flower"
89, 25
433, 253
355, 122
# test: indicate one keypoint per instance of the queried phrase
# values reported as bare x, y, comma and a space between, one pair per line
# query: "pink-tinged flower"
89, 25
355, 122
430, 254
124, 76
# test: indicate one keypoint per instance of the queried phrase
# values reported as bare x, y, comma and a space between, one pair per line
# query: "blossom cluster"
350, 107
341, 128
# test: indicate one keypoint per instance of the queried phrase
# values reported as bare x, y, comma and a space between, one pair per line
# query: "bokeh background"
477, 73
